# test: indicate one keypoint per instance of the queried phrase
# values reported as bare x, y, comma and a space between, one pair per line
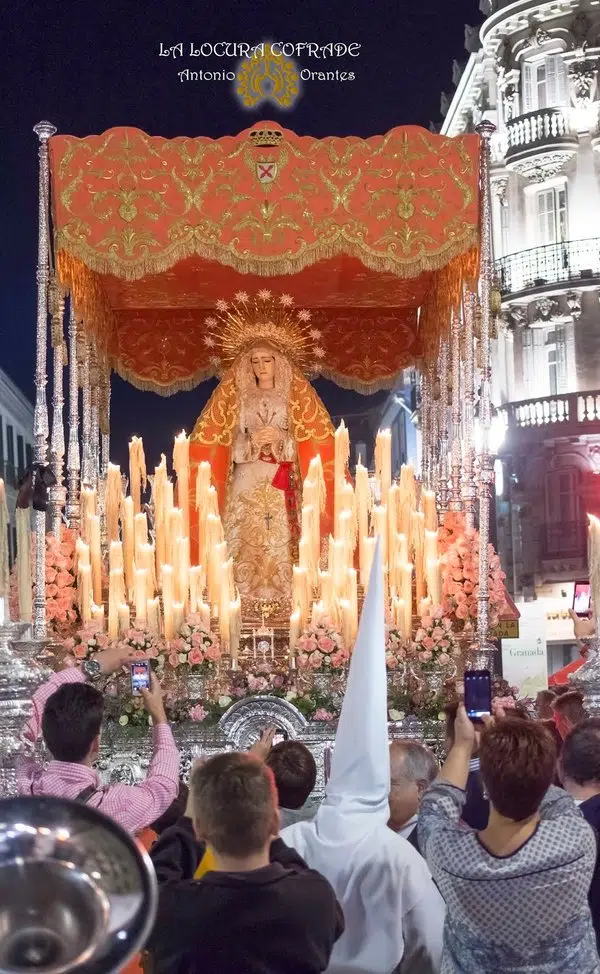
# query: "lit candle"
112, 501
383, 463
115, 599
167, 593
368, 549
407, 500
225, 600
364, 500
429, 510
433, 569
430, 548
160, 524
341, 455
318, 614
178, 616
175, 522
339, 550
141, 596
124, 617
295, 629
182, 581
353, 600
424, 607
84, 578
98, 615
204, 613
153, 615
203, 485
146, 559
96, 556
325, 583
87, 508
235, 627
129, 558
380, 529
82, 554
406, 593
418, 541
137, 471
300, 593
195, 577
141, 532
181, 465
346, 623
393, 520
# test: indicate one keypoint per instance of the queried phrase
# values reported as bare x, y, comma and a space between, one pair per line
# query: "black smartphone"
279, 736
478, 693
140, 676
582, 599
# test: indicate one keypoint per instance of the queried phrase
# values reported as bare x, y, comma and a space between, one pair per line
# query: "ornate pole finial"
44, 130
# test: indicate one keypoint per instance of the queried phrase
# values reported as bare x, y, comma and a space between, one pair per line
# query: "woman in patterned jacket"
516, 892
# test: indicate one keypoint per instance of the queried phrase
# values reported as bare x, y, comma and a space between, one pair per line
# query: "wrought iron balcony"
570, 414
541, 268
547, 129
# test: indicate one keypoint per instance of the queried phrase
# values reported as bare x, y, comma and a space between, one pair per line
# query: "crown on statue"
243, 323
268, 138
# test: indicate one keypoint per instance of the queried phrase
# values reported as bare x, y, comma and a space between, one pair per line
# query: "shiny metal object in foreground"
77, 894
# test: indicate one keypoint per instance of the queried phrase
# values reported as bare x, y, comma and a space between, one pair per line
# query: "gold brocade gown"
257, 522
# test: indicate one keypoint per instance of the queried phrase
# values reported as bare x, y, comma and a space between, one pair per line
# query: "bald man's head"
413, 767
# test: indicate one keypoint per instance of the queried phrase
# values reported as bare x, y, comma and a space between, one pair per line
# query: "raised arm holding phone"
490, 879
68, 712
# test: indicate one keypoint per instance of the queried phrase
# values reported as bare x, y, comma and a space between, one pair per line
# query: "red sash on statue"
285, 480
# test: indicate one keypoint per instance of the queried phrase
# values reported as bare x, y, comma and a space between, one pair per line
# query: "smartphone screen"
279, 737
478, 693
140, 677
582, 599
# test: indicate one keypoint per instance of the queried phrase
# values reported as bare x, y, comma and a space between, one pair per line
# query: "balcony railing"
574, 408
546, 126
564, 540
542, 267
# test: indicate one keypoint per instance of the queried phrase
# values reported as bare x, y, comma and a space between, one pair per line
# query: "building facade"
533, 72
16, 450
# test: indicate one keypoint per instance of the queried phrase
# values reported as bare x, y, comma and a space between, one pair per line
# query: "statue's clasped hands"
266, 436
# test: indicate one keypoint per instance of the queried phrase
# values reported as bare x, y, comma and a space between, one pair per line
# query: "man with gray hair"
413, 769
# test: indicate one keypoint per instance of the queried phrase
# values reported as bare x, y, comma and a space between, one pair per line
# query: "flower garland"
321, 649
435, 643
87, 641
461, 582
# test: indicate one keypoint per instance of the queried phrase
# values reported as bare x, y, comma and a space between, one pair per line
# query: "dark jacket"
591, 812
283, 918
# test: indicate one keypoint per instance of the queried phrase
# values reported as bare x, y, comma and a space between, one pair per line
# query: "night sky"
87, 67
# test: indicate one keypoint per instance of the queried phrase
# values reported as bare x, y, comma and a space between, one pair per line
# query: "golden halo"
240, 324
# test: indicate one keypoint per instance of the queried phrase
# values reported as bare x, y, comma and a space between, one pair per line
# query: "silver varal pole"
455, 490
469, 485
443, 428
74, 452
44, 131
483, 649
58, 493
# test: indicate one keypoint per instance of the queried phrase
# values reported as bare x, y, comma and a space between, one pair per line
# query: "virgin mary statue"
261, 428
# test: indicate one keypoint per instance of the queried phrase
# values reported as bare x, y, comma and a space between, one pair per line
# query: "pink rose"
277, 682
173, 659
437, 633
322, 714
311, 643
50, 574
69, 643
339, 659
197, 639
195, 657
213, 653
420, 635
198, 713
315, 660
425, 656
462, 612
468, 587
51, 591
63, 579
428, 643
443, 659
326, 644
80, 651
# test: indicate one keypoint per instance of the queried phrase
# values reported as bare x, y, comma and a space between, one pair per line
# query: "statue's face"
263, 364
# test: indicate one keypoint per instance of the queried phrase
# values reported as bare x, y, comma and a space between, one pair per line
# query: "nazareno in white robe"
394, 912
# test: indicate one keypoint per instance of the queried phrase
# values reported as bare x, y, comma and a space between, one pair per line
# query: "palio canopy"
150, 232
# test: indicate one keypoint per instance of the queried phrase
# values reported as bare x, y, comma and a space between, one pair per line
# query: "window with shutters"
551, 211
20, 456
504, 235
545, 84
564, 533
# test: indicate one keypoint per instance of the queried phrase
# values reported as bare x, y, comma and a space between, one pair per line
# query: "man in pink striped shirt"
68, 709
